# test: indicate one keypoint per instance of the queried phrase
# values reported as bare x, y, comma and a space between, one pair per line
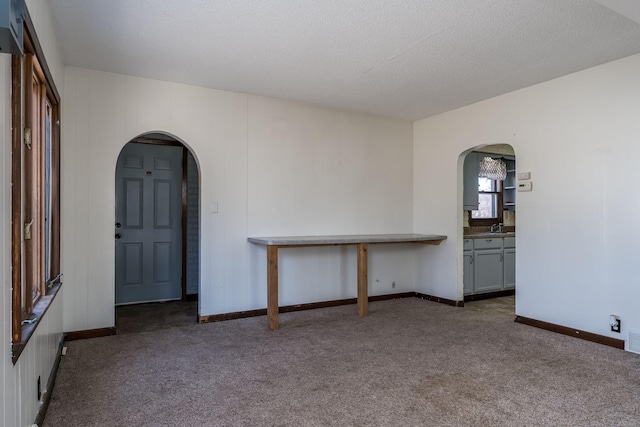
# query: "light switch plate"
525, 186
524, 175
214, 207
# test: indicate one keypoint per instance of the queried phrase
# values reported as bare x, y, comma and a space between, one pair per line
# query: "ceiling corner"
627, 8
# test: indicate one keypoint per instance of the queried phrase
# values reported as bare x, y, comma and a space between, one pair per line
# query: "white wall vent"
634, 341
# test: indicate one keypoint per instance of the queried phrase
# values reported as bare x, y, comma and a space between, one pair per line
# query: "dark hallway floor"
155, 316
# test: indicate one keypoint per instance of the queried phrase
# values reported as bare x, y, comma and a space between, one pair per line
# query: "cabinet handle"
471, 259
501, 257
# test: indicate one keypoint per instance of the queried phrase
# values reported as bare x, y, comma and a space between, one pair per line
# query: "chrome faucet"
496, 228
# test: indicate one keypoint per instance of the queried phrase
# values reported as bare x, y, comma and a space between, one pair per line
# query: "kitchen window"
490, 205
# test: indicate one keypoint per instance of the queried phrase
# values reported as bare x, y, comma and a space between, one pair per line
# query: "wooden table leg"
272, 287
363, 279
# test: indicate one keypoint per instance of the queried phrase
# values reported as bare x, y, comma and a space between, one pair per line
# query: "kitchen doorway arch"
488, 210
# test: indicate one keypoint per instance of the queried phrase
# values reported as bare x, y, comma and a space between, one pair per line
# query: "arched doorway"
156, 233
489, 227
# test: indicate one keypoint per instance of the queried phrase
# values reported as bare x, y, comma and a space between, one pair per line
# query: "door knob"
118, 236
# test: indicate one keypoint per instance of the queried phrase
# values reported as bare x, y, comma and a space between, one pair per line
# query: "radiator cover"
634, 342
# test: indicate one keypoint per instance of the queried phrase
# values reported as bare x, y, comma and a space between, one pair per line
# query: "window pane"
486, 184
47, 192
487, 206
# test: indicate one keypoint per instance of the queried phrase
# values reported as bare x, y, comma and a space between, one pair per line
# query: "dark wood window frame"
484, 222
35, 224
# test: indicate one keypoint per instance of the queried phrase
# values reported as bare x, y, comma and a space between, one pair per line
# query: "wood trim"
272, 286
27, 169
497, 294
577, 333
298, 307
154, 141
55, 192
184, 222
51, 383
347, 301
41, 93
392, 296
231, 316
314, 305
89, 333
16, 198
27, 181
446, 301
363, 279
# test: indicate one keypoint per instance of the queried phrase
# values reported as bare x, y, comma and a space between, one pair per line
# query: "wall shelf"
509, 185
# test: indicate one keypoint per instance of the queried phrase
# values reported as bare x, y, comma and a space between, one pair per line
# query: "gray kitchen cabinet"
467, 259
488, 270
489, 265
470, 182
509, 242
509, 268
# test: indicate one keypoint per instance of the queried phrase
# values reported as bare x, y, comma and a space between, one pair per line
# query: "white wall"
314, 171
274, 168
578, 136
18, 401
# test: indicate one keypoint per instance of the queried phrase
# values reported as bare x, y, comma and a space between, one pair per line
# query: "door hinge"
27, 230
27, 138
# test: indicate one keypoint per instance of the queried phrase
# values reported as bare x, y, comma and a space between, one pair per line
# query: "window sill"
28, 329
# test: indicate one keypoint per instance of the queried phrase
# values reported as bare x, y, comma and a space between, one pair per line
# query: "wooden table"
363, 241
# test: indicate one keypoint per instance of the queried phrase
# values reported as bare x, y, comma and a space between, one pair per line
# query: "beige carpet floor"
411, 362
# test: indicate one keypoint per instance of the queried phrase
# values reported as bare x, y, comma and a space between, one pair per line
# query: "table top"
345, 239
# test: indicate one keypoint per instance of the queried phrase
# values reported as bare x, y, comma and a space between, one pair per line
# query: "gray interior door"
148, 227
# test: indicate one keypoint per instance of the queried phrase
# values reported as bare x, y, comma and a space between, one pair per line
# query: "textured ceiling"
400, 58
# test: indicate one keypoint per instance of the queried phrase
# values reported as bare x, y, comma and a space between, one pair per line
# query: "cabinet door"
488, 270
470, 182
509, 268
467, 257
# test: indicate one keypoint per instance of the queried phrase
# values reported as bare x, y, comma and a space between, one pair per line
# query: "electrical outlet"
393, 284
616, 327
